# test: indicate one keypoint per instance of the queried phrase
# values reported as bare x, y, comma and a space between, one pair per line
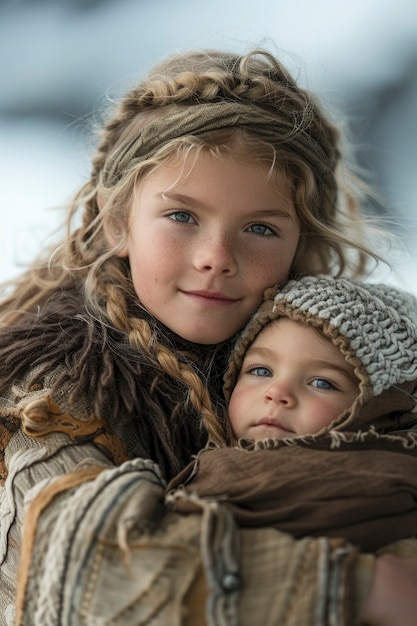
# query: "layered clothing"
90, 430
355, 480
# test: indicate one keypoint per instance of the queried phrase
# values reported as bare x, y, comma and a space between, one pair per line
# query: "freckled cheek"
271, 268
160, 255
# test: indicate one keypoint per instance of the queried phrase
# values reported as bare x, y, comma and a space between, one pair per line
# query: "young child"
215, 177
323, 391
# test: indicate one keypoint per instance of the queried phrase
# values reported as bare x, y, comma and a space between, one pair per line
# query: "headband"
205, 117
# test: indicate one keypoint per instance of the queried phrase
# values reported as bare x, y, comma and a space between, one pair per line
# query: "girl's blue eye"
322, 383
262, 229
181, 216
260, 371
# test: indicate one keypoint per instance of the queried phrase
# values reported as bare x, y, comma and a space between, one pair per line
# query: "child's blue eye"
322, 383
263, 230
181, 216
260, 371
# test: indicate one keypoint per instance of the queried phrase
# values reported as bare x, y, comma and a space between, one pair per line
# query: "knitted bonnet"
373, 325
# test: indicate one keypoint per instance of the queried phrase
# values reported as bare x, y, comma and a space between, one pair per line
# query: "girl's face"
204, 247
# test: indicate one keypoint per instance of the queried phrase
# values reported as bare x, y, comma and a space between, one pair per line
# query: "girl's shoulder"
49, 368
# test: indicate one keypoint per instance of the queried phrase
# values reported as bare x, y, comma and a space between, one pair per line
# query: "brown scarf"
361, 486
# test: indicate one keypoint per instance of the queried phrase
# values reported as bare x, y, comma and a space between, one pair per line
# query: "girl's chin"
204, 336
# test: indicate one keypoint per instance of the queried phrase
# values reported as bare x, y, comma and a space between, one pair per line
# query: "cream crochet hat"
373, 325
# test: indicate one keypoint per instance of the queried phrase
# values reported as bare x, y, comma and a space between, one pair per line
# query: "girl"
216, 177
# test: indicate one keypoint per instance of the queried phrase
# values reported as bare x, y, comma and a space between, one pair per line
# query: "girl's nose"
216, 254
281, 392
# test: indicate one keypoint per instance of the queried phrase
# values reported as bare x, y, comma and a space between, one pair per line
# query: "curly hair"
300, 140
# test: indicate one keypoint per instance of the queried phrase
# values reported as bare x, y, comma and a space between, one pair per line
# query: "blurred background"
62, 59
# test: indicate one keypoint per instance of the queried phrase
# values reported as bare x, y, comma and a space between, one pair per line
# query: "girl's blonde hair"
327, 197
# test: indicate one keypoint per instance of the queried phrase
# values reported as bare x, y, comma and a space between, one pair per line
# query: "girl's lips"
214, 298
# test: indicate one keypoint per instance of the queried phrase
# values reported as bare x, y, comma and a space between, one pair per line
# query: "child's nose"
216, 254
281, 392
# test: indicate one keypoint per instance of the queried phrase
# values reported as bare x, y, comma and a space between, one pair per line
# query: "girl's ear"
114, 232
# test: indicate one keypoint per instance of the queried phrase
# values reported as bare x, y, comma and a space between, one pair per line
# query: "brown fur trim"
131, 394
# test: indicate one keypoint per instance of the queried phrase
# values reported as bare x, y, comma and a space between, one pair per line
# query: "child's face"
203, 250
292, 382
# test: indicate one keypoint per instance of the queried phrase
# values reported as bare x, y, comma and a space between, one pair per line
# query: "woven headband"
205, 117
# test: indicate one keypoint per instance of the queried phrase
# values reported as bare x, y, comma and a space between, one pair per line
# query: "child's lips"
211, 298
273, 423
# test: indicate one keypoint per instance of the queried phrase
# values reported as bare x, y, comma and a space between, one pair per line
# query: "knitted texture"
374, 326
